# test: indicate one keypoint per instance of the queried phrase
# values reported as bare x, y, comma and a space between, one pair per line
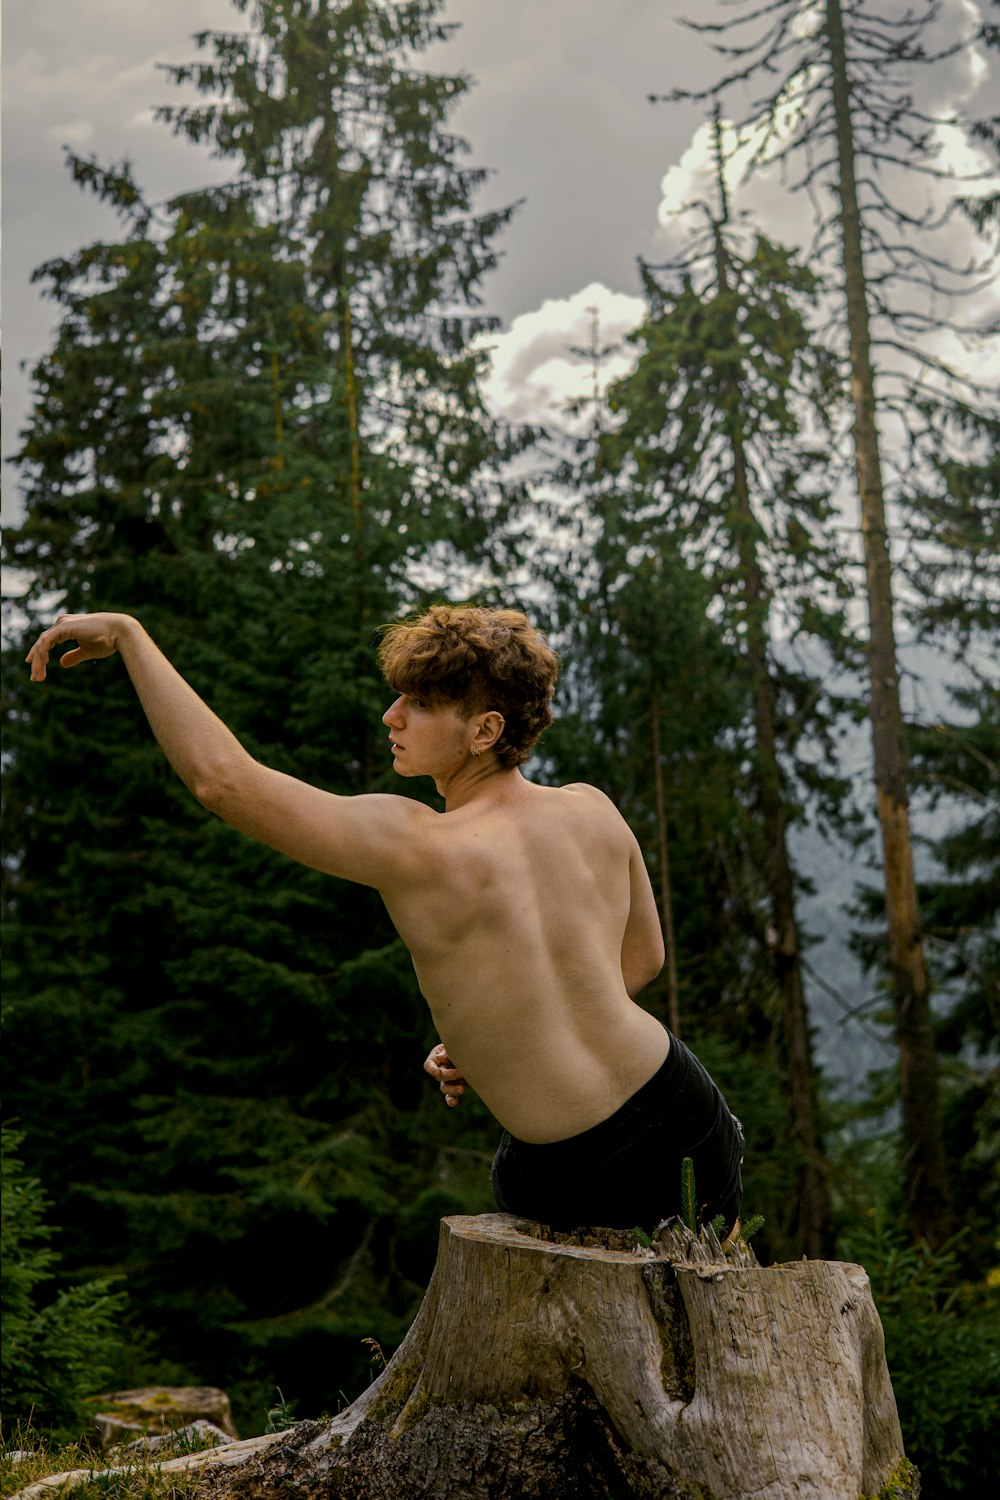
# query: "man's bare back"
532, 902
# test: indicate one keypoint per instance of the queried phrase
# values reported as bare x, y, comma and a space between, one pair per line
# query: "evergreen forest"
263, 426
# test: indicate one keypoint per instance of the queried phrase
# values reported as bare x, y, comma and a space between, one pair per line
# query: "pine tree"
630, 618
956, 768
260, 429
954, 577
57, 1348
712, 435
845, 102
704, 462
651, 691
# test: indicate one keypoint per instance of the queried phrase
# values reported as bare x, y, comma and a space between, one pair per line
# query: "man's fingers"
38, 656
440, 1066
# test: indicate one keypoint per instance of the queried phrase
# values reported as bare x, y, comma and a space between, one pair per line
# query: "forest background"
273, 416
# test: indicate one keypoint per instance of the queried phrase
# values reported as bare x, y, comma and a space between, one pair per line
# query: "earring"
475, 750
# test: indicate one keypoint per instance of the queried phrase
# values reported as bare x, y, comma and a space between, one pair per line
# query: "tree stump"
158, 1410
539, 1367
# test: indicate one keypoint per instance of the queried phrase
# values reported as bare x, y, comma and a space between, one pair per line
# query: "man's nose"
392, 716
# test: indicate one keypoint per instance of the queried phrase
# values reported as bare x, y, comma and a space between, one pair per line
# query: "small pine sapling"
689, 1201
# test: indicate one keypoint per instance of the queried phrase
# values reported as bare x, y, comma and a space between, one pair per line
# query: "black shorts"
625, 1172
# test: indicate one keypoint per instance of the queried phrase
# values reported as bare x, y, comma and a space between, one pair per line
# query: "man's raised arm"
365, 839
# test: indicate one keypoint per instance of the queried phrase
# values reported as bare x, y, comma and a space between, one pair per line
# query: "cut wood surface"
596, 1370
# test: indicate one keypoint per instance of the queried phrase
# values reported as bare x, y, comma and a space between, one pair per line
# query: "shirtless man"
527, 911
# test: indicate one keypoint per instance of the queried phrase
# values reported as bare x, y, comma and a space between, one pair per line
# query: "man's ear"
491, 727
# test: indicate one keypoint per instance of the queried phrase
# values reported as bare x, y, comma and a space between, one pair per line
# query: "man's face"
427, 739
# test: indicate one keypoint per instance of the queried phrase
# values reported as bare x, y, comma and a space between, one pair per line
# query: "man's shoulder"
396, 803
392, 809
593, 792
600, 812
393, 816
599, 804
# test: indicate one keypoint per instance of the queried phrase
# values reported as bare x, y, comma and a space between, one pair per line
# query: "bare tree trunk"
924, 1168
358, 521
666, 892
815, 1214
354, 480
279, 439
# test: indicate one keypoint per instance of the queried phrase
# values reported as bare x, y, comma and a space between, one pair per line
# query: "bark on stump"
542, 1368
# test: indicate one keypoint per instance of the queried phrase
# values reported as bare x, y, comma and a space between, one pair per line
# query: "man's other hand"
440, 1066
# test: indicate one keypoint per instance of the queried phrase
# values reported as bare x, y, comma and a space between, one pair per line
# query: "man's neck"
474, 780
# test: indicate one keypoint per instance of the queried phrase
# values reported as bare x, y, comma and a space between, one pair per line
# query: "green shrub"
57, 1348
942, 1341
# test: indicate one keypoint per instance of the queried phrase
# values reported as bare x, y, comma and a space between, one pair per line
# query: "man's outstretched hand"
440, 1066
96, 636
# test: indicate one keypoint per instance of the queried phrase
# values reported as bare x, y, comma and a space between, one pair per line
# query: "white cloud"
540, 363
974, 58
809, 19
764, 198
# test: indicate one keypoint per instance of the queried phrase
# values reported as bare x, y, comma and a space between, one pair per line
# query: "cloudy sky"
559, 112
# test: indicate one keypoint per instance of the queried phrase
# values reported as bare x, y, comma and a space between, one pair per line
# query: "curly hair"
477, 659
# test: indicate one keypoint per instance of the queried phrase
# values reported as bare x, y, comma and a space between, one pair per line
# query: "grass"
132, 1476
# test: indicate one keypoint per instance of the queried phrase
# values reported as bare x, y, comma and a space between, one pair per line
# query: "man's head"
476, 659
